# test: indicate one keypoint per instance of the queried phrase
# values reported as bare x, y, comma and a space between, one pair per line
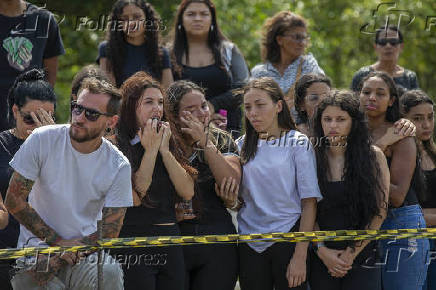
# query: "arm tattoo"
113, 218
18, 191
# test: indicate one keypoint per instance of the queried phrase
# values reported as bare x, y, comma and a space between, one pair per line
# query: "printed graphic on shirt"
19, 52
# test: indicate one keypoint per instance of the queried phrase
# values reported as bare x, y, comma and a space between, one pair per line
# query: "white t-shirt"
70, 188
282, 173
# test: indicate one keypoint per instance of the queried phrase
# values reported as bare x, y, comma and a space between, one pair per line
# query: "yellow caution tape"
340, 235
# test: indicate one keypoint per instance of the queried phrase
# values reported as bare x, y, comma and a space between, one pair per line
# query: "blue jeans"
404, 260
430, 282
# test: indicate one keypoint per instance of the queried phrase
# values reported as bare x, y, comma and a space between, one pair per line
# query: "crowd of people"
181, 139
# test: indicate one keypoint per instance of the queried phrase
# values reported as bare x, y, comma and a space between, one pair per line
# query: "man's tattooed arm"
113, 218
18, 191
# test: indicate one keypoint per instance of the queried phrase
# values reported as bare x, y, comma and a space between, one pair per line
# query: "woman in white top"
279, 188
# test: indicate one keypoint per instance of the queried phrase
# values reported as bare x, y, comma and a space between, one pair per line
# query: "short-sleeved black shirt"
407, 80
9, 145
26, 40
160, 205
137, 59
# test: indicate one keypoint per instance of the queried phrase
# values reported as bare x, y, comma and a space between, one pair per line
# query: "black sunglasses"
391, 41
90, 114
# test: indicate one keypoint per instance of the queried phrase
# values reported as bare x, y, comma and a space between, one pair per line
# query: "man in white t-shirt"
72, 177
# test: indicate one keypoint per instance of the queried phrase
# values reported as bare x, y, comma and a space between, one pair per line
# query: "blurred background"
341, 31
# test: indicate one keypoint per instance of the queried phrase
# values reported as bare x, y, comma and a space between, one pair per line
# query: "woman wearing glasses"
388, 45
31, 104
310, 90
284, 42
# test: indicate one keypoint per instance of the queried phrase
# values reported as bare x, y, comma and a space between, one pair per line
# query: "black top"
26, 40
216, 82
430, 180
160, 206
9, 145
211, 209
332, 215
407, 80
411, 196
137, 59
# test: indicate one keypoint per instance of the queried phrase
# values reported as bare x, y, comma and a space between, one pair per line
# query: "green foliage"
334, 25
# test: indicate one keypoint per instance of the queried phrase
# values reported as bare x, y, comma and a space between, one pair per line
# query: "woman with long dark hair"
285, 39
388, 44
279, 188
310, 89
213, 153
353, 177
202, 54
418, 107
133, 43
405, 258
31, 103
160, 176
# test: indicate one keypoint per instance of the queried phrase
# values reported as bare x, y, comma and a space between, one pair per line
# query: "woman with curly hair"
202, 54
284, 42
160, 177
132, 44
405, 259
213, 153
418, 107
353, 177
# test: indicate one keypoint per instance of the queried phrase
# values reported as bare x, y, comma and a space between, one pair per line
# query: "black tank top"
332, 215
411, 196
430, 181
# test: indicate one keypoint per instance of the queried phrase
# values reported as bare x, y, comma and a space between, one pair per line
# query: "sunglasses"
391, 41
90, 114
298, 37
28, 120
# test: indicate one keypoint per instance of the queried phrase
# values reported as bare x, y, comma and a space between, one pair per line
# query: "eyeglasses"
298, 37
90, 114
313, 98
391, 41
28, 120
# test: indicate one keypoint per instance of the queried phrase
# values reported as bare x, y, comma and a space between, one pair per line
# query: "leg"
362, 278
319, 278
84, 274
219, 269
171, 272
254, 269
281, 254
24, 281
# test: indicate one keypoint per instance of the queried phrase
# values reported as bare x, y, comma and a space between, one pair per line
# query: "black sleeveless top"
332, 215
430, 181
411, 196
160, 208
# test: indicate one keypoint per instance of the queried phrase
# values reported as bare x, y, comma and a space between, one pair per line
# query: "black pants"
211, 266
364, 275
5, 278
266, 270
152, 268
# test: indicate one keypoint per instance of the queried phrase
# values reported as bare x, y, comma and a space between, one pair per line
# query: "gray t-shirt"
71, 188
281, 174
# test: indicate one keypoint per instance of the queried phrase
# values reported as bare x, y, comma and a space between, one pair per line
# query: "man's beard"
90, 134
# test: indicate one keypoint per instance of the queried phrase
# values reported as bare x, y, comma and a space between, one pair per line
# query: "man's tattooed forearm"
113, 218
29, 218
19, 189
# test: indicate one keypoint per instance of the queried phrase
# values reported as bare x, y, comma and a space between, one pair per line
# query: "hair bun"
31, 76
